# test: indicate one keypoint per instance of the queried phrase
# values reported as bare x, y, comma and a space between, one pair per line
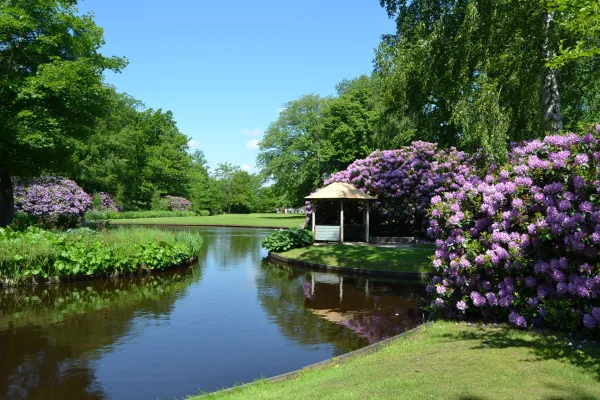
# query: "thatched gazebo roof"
339, 191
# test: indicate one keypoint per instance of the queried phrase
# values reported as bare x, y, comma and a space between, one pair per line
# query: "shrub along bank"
289, 239
41, 256
523, 243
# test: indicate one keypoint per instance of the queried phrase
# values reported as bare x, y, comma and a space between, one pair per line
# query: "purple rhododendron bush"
178, 203
522, 244
107, 202
404, 181
52, 201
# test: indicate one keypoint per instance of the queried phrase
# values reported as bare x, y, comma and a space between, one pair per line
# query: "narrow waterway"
232, 318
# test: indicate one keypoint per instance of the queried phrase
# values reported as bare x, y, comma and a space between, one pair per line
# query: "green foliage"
315, 137
95, 216
474, 74
135, 154
235, 190
38, 255
51, 88
284, 240
581, 18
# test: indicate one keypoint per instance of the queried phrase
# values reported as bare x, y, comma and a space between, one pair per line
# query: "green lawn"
265, 220
405, 259
450, 361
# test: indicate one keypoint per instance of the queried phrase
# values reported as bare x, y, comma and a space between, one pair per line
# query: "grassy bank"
403, 259
97, 216
41, 256
450, 361
263, 220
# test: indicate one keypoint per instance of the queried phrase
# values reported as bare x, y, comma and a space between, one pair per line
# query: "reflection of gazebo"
331, 228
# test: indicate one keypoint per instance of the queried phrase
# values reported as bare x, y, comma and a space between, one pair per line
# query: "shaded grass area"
263, 220
450, 361
404, 259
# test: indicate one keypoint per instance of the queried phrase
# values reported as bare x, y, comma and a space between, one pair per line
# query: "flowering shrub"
178, 203
52, 201
522, 244
404, 181
104, 202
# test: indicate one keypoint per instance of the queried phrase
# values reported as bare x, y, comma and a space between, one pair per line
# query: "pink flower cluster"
178, 203
405, 180
522, 244
52, 200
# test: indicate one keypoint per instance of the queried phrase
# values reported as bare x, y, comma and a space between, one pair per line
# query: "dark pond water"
233, 318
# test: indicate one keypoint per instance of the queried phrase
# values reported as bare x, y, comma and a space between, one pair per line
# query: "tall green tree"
203, 189
316, 136
293, 150
51, 87
236, 189
136, 154
475, 73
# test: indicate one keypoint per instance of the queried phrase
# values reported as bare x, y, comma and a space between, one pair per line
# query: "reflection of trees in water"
310, 307
235, 246
281, 294
49, 335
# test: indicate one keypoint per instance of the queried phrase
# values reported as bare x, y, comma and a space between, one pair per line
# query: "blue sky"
225, 68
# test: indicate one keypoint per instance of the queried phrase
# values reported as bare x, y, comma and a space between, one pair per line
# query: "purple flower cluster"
523, 243
107, 203
406, 180
52, 200
178, 203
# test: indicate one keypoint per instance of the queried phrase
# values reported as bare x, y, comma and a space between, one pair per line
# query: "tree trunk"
550, 93
7, 203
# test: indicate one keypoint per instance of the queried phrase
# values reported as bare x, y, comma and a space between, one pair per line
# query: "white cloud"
251, 132
194, 145
246, 167
253, 144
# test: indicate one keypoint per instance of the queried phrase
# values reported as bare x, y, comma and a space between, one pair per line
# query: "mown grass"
96, 216
262, 220
399, 259
450, 361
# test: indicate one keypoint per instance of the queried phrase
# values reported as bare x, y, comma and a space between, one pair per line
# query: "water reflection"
235, 318
372, 309
50, 336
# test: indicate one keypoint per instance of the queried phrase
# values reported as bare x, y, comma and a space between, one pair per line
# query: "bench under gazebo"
330, 224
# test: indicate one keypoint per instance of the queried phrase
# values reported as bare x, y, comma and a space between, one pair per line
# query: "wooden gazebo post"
341, 221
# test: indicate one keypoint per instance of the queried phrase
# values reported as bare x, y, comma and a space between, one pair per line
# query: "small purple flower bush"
52, 201
522, 243
405, 180
106, 202
178, 203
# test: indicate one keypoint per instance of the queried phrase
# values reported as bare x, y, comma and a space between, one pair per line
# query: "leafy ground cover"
451, 361
404, 259
266, 220
288, 239
40, 256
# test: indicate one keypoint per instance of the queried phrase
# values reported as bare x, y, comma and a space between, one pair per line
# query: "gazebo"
339, 193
